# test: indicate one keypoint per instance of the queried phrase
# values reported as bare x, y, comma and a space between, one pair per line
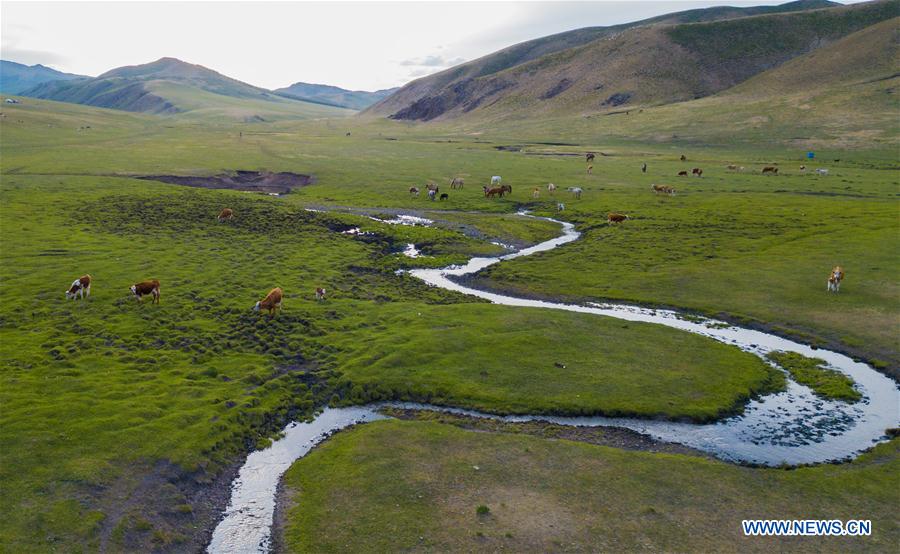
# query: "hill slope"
170, 86
334, 96
645, 64
17, 77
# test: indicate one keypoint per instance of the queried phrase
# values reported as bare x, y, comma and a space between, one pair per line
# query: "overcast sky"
355, 45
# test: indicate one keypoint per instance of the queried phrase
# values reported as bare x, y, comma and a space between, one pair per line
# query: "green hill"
643, 64
171, 86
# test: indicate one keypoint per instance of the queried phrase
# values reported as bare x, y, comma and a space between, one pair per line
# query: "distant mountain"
17, 77
171, 86
670, 58
335, 96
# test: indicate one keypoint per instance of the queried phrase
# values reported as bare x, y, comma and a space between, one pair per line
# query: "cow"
271, 303
495, 180
431, 194
682, 173
590, 169
536, 193
507, 189
457, 183
589, 157
496, 191
802, 168
560, 206
551, 188
432, 186
613, 217
576, 191
665, 189
142, 289
644, 167
81, 288
732, 167
770, 169
683, 158
834, 280
697, 171
414, 191
444, 196
822, 171
225, 215
320, 294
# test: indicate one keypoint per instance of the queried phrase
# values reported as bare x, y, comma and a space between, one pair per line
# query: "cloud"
423, 71
31, 57
432, 61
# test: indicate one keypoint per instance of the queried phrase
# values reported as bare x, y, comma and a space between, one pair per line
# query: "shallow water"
793, 427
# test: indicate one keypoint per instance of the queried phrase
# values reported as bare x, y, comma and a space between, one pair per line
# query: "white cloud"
432, 61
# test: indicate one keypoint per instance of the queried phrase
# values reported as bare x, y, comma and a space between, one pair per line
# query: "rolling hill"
682, 56
171, 86
17, 77
334, 96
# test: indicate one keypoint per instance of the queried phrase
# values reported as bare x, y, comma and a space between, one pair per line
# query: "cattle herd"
81, 287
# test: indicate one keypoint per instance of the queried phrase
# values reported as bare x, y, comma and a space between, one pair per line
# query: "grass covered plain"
417, 486
812, 372
124, 421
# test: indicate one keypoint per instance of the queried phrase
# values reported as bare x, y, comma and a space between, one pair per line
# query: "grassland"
423, 482
126, 420
811, 372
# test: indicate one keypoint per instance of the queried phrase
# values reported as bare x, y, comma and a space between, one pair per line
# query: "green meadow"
121, 423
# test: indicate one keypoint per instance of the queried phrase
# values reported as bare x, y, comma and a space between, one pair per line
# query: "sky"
355, 45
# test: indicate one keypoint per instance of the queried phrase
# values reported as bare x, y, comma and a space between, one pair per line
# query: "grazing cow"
802, 168
507, 189
457, 183
683, 158
644, 167
560, 206
414, 191
834, 280
142, 289
613, 217
81, 287
225, 215
495, 180
682, 173
432, 186
535, 193
444, 196
576, 191
589, 157
320, 294
272, 302
770, 169
732, 167
431, 194
697, 171
665, 189
590, 169
551, 188
496, 191
822, 171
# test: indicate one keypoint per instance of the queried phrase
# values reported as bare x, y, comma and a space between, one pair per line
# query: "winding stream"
792, 427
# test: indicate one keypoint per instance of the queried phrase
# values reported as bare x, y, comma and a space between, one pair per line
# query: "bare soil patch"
251, 181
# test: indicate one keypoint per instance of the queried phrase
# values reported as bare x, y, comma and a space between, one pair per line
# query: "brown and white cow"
320, 294
770, 169
225, 215
271, 303
81, 287
151, 287
613, 217
834, 280
663, 189
535, 193
697, 171
732, 167
589, 157
414, 191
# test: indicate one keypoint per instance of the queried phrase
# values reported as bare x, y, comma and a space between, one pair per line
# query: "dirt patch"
251, 181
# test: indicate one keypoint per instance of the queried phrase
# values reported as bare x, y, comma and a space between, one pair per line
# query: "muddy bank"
250, 181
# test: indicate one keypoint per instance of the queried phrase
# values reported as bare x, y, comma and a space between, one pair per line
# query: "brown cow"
697, 171
225, 215
142, 289
81, 287
683, 158
490, 193
732, 167
271, 303
590, 169
613, 217
535, 193
414, 191
834, 280
682, 173
589, 157
770, 169
665, 189
507, 189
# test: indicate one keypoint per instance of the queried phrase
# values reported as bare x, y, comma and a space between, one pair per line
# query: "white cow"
551, 188
495, 181
576, 191
822, 171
